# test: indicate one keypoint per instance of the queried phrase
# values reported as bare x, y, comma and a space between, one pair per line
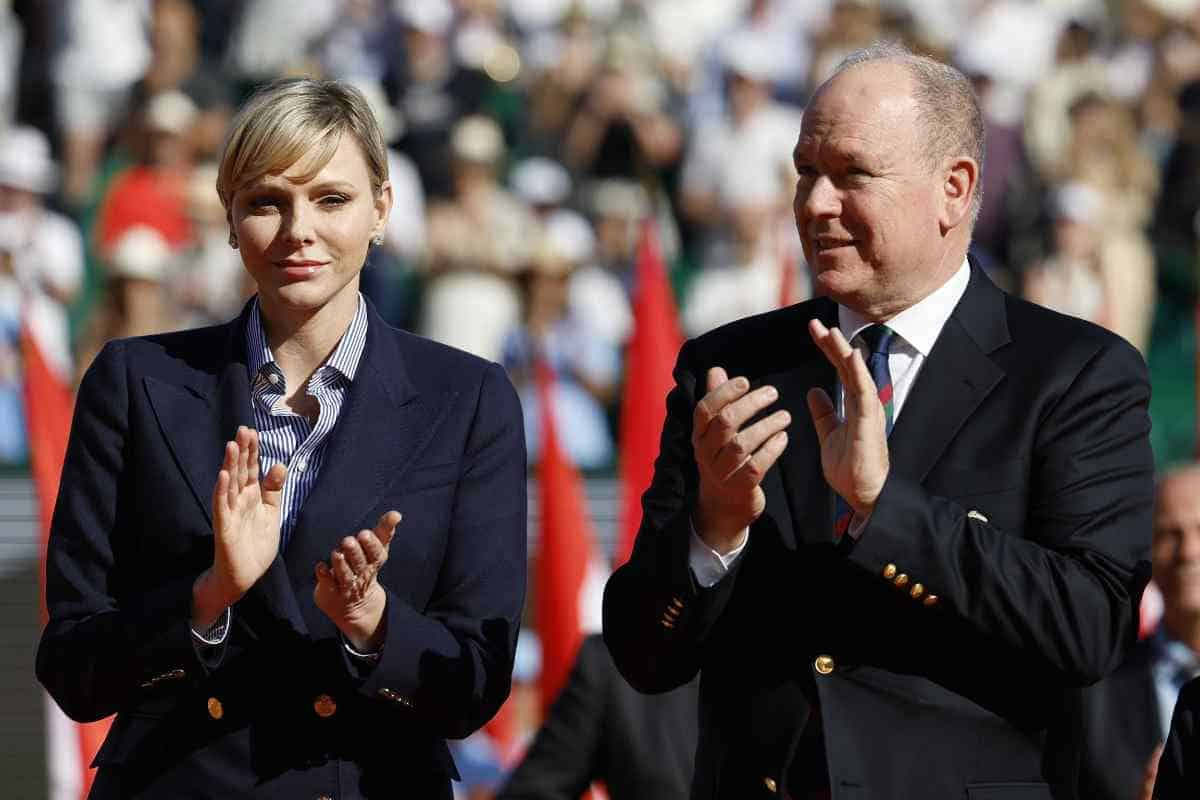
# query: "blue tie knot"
878, 338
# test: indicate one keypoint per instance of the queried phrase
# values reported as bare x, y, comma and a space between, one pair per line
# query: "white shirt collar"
919, 325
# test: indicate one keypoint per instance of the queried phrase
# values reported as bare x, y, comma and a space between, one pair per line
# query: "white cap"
477, 138
25, 160
541, 181
614, 197
171, 111
1077, 202
141, 254
570, 236
433, 17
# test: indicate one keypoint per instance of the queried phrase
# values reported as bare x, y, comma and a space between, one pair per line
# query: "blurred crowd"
533, 139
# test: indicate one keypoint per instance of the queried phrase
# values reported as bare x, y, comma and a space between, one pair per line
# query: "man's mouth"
822, 243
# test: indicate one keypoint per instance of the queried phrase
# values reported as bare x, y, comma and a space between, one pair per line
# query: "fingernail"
741, 384
772, 392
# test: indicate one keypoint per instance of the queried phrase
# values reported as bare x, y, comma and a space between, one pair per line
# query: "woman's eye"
334, 200
263, 202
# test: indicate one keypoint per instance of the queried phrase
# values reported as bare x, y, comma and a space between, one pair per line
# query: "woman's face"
304, 241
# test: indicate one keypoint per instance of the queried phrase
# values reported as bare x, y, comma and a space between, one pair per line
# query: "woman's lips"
301, 270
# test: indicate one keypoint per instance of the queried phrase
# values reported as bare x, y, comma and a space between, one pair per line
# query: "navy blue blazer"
284, 711
1000, 571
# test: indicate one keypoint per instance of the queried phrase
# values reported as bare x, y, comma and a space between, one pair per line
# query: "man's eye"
334, 200
263, 202
805, 171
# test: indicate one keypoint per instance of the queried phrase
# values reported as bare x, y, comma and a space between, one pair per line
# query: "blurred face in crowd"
869, 212
304, 237
1176, 550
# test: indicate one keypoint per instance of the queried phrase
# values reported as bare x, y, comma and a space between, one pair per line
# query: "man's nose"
1189, 544
819, 198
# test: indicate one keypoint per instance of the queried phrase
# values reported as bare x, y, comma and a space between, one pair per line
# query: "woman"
227, 568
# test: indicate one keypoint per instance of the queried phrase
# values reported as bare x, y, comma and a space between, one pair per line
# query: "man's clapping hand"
733, 459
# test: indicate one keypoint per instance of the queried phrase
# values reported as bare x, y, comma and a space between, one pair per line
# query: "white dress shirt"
917, 328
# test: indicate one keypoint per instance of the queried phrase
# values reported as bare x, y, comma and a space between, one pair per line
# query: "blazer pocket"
130, 734
430, 477
1009, 791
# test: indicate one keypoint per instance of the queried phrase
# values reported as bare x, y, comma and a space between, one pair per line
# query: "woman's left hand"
348, 589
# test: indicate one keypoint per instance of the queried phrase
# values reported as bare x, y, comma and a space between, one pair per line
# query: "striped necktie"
878, 339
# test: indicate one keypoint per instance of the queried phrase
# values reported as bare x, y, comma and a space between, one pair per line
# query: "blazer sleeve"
1059, 600
1179, 766
566, 754
656, 616
98, 648
451, 662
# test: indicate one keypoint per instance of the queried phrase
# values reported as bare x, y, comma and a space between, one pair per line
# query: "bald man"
897, 528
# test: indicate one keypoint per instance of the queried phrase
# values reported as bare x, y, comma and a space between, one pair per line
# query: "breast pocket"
976, 479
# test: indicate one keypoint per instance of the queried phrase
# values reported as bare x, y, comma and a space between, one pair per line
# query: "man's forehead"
1179, 494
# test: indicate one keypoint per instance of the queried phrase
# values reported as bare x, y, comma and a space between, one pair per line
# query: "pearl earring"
233, 240
377, 239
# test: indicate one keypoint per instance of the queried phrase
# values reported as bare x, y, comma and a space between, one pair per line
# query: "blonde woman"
289, 551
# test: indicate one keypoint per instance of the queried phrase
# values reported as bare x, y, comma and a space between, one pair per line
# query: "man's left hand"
854, 453
348, 589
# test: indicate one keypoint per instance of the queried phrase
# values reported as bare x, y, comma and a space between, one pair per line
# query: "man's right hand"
732, 460
246, 520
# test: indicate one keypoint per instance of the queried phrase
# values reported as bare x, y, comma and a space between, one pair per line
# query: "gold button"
889, 571
215, 709
901, 580
931, 600
772, 787
325, 706
823, 664
916, 591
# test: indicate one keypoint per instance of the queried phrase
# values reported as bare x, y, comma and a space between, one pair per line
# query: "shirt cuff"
214, 634
371, 657
857, 524
707, 564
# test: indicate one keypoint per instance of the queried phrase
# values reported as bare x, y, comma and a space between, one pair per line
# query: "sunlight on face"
304, 242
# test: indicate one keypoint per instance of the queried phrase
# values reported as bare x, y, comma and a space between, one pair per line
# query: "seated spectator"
585, 366
477, 242
1127, 715
641, 747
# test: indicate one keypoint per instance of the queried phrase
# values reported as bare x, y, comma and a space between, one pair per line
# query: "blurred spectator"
45, 249
1128, 714
361, 42
135, 293
12, 37
851, 25
585, 366
153, 191
477, 241
41, 270
104, 50
600, 729
743, 273
208, 283
751, 144
272, 38
431, 91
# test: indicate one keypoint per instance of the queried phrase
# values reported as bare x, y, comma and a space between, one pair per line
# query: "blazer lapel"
384, 425
809, 498
954, 380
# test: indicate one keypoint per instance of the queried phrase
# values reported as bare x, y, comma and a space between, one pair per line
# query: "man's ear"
958, 188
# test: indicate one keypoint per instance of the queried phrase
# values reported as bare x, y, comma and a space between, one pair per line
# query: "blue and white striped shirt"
285, 437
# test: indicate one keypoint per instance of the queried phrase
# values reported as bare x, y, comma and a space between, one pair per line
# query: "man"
893, 616
600, 729
1128, 715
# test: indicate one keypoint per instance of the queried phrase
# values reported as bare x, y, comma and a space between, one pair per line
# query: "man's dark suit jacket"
1121, 727
642, 747
1019, 494
1179, 768
285, 711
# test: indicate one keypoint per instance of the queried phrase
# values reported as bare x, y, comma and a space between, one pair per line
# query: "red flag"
652, 349
566, 553
48, 407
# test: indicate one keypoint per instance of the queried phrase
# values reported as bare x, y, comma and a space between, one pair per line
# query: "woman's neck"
301, 340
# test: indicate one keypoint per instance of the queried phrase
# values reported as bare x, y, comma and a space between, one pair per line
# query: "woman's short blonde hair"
292, 118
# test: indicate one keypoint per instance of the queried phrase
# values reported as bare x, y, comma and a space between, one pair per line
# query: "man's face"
1176, 550
867, 207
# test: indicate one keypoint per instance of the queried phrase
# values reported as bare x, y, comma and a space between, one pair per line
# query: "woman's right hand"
246, 520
